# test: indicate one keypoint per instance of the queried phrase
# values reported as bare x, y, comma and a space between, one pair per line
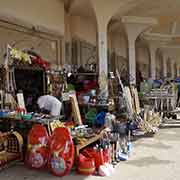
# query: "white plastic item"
104, 171
110, 167
21, 103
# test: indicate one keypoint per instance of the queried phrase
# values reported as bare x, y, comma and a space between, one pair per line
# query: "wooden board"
136, 100
75, 108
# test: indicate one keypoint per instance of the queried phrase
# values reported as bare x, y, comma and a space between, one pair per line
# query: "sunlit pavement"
155, 158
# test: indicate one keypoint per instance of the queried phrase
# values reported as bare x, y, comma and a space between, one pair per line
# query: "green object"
27, 116
70, 87
91, 116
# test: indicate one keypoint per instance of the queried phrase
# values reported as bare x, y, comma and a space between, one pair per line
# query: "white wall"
83, 28
45, 13
142, 58
120, 44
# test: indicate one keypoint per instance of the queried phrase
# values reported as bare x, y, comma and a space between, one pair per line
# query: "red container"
86, 166
96, 154
107, 155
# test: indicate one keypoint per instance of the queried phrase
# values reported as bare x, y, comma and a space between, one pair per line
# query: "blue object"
177, 80
123, 156
100, 118
157, 83
129, 147
3, 113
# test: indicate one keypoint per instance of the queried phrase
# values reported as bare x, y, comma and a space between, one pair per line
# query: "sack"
37, 153
61, 152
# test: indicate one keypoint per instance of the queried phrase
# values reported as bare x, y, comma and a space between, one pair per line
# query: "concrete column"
134, 27
165, 65
152, 48
78, 53
132, 61
103, 59
172, 69
63, 52
178, 68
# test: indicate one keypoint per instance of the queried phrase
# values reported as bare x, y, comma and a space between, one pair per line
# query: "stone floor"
152, 159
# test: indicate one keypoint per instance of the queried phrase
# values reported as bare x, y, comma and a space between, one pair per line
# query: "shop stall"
93, 132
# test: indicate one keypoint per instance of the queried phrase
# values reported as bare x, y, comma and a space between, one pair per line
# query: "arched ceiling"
80, 8
167, 12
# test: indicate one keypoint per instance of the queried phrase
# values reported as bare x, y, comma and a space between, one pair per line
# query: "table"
88, 142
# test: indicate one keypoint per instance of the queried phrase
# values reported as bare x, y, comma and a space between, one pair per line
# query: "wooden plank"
137, 102
75, 109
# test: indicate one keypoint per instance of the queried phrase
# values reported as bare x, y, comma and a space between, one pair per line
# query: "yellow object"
20, 139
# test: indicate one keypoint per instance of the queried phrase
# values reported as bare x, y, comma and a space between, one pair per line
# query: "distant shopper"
51, 104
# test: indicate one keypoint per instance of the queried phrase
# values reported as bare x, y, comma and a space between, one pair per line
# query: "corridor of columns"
133, 36
139, 38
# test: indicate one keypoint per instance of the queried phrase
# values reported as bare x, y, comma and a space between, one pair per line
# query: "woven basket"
10, 147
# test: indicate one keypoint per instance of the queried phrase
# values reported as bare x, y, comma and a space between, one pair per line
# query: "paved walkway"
153, 159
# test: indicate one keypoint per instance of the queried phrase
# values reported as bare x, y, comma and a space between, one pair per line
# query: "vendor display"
95, 129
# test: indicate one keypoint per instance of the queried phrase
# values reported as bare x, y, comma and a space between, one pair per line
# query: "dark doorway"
33, 85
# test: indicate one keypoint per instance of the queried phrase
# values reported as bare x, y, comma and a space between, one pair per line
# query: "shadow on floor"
157, 145
148, 161
20, 172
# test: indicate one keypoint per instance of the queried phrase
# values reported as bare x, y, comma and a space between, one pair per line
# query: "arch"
81, 28
142, 57
117, 47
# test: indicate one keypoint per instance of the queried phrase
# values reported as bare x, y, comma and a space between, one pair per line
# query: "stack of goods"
147, 121
132, 104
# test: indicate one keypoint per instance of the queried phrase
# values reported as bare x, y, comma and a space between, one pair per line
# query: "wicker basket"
10, 147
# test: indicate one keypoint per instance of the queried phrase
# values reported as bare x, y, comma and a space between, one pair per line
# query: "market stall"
92, 132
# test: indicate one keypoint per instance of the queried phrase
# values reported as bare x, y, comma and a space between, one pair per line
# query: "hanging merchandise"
61, 156
41, 62
20, 56
37, 153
